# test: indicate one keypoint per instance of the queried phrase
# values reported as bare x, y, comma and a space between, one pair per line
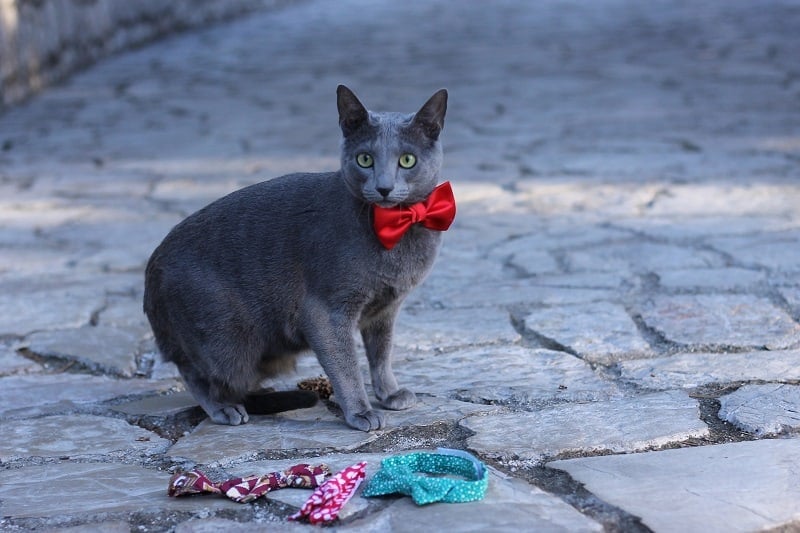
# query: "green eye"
364, 160
408, 160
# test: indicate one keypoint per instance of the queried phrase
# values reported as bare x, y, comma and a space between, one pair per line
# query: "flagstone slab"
431, 410
778, 251
309, 429
557, 236
27, 306
165, 405
510, 504
502, 293
12, 363
76, 436
739, 320
35, 394
504, 375
792, 296
109, 349
637, 256
743, 486
442, 329
624, 425
599, 332
724, 279
87, 489
111, 526
216, 525
763, 409
533, 261
302, 429
688, 370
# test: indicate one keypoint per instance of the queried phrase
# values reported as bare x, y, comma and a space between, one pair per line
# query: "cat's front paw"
231, 415
366, 421
402, 399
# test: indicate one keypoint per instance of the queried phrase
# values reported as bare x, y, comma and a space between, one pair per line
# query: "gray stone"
556, 197
517, 292
792, 296
431, 410
722, 320
442, 329
47, 393
555, 235
31, 36
779, 251
104, 348
763, 409
624, 425
598, 332
124, 312
709, 199
510, 503
12, 363
744, 486
89, 489
76, 436
532, 261
508, 374
724, 279
30, 306
122, 243
111, 526
638, 256
215, 525
695, 228
689, 370
314, 428
581, 280
165, 405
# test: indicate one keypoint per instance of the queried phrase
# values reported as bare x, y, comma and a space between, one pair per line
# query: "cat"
239, 288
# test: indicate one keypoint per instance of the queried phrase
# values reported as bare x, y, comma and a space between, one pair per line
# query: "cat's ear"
430, 118
352, 113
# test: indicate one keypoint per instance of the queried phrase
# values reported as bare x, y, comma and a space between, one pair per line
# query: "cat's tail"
269, 402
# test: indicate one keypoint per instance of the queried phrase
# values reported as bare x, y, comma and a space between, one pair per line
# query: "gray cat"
239, 288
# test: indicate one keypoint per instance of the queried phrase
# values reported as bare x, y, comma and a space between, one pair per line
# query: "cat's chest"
407, 265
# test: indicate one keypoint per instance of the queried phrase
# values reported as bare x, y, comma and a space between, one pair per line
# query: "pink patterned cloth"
329, 498
247, 489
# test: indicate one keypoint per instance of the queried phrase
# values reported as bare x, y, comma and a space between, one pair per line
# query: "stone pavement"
612, 324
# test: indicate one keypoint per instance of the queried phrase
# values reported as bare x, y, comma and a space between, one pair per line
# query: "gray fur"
239, 288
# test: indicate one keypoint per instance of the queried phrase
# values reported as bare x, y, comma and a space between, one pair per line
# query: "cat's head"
391, 158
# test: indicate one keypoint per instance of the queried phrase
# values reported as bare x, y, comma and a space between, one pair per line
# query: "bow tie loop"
435, 213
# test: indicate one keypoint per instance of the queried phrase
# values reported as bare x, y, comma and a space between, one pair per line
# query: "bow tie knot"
436, 213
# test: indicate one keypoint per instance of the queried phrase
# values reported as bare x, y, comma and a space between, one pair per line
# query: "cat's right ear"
352, 113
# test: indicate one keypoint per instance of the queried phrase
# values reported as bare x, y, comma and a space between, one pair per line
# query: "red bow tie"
436, 213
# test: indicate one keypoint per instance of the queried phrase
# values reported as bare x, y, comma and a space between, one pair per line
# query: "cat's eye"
364, 160
408, 160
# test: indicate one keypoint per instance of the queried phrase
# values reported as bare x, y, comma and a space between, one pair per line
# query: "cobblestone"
763, 409
624, 263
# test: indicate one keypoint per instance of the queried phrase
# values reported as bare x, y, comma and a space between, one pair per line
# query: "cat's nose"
384, 191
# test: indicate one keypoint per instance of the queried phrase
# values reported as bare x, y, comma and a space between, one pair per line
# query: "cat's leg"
330, 335
228, 413
377, 335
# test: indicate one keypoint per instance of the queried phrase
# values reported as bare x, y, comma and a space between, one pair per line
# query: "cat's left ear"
352, 113
430, 118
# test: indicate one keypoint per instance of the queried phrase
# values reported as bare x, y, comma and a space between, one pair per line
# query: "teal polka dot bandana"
405, 474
